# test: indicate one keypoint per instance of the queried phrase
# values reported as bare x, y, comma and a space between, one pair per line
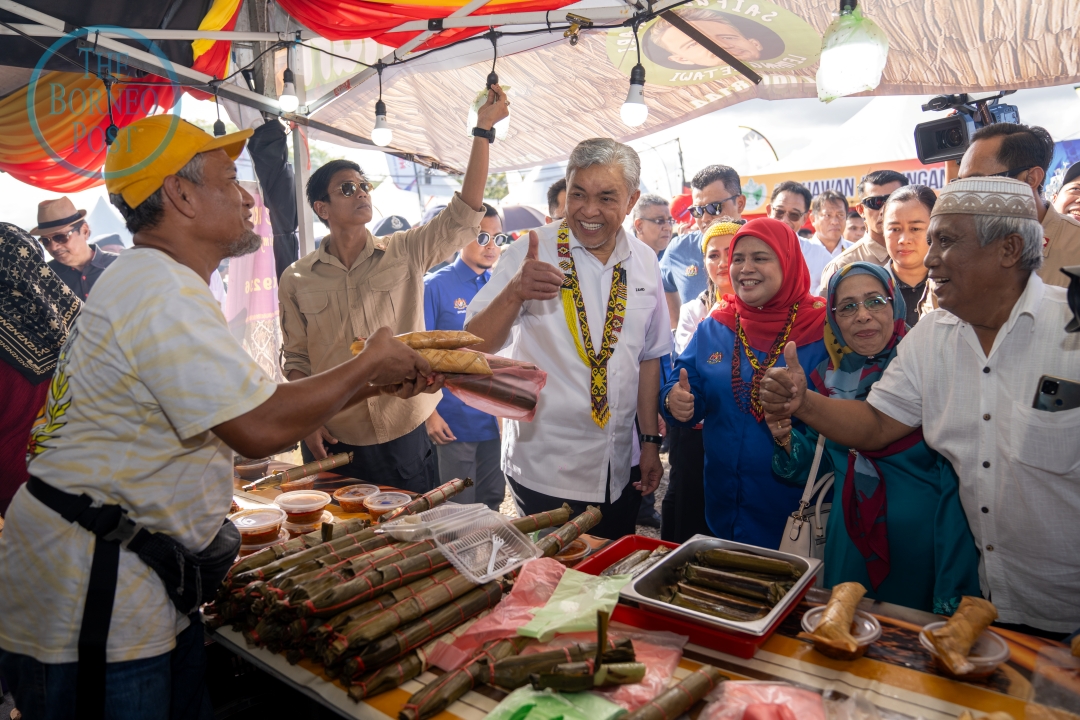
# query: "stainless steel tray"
646, 590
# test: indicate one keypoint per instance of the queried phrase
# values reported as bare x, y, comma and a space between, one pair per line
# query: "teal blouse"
933, 560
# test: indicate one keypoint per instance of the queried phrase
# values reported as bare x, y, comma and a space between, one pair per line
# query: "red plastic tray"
732, 643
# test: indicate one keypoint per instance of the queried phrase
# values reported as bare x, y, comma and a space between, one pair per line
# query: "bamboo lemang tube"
429, 499
676, 700
569, 532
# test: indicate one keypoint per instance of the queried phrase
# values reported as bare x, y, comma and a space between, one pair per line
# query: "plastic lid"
326, 517
865, 627
989, 651
355, 493
302, 501
386, 501
282, 536
257, 519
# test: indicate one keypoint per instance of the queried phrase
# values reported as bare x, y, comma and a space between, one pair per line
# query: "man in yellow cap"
120, 533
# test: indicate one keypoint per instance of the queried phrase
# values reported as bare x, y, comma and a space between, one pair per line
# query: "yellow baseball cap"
149, 150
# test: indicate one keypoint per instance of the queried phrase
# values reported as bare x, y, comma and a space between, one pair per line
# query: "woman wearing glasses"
907, 216
717, 378
896, 523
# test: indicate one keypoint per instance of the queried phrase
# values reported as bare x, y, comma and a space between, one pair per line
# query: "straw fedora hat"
55, 215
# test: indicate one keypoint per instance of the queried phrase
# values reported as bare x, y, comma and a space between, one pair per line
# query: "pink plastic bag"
532, 589
763, 701
511, 391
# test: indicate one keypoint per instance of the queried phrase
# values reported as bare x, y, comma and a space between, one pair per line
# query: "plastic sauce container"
987, 654
573, 552
303, 507
351, 498
295, 530
865, 628
258, 525
281, 537
381, 503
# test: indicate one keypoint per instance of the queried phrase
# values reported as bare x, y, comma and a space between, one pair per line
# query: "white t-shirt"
148, 369
1019, 467
562, 452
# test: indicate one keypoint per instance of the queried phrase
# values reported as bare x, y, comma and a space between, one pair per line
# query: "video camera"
949, 137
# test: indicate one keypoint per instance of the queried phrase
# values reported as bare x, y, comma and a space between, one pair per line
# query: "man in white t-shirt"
599, 331
150, 397
967, 374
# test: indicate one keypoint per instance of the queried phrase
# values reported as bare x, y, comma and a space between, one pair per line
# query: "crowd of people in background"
894, 340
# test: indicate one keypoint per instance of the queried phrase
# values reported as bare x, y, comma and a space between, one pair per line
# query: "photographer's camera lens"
953, 137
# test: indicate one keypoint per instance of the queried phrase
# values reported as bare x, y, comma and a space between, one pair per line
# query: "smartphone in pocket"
1056, 394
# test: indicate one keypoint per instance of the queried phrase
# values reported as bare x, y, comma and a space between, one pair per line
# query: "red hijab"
763, 325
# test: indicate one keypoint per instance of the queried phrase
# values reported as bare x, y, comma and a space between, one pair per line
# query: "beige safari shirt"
325, 306
1061, 247
866, 250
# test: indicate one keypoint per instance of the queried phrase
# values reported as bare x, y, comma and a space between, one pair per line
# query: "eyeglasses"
349, 188
660, 222
60, 238
712, 208
874, 202
500, 239
792, 215
875, 304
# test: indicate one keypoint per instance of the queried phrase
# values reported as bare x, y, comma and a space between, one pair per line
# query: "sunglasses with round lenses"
792, 215
59, 238
349, 188
712, 208
874, 304
500, 239
874, 202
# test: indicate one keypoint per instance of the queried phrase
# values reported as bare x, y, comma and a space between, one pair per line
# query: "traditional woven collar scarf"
848, 375
36, 308
578, 323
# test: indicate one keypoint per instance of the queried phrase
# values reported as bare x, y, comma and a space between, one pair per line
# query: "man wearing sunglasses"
1024, 153
717, 191
64, 233
874, 189
653, 223
466, 440
356, 283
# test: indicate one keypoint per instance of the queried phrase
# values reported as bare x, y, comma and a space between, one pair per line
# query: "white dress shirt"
817, 256
1019, 467
562, 452
690, 316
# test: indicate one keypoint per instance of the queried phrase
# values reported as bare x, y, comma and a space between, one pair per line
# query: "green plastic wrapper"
573, 605
528, 704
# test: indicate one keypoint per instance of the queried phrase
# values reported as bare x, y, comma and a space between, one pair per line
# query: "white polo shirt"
562, 452
1019, 467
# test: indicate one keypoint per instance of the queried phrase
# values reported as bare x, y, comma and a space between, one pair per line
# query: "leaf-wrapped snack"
432, 339
676, 700
834, 629
953, 641
736, 560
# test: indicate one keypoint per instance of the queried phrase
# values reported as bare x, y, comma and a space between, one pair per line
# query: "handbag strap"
811, 485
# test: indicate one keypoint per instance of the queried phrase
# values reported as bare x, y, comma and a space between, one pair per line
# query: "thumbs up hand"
535, 279
783, 390
680, 399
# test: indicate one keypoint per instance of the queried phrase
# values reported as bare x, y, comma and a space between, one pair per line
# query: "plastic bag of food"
573, 605
528, 704
763, 701
511, 391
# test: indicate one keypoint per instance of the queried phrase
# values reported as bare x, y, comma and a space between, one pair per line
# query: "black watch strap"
481, 132
654, 439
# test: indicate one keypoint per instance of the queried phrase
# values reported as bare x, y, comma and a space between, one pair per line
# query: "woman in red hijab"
717, 378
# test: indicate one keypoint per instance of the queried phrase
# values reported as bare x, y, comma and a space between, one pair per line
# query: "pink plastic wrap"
763, 701
511, 391
532, 589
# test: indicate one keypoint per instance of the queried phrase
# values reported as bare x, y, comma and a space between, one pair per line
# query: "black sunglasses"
60, 238
874, 202
500, 239
712, 208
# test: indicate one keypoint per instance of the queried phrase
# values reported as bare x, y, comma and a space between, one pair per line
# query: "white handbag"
805, 531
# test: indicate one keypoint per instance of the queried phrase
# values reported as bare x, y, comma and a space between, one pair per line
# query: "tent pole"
301, 169
156, 34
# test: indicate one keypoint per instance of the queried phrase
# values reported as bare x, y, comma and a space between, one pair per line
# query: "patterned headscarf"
848, 375
36, 308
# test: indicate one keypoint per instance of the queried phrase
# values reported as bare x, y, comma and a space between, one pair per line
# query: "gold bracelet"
785, 443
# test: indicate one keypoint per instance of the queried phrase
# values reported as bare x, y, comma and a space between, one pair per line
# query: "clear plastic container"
381, 503
303, 506
282, 536
573, 552
296, 530
988, 652
258, 525
251, 469
470, 544
422, 526
865, 628
351, 497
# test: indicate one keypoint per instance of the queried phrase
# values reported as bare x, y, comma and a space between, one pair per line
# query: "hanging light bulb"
288, 100
634, 111
502, 128
853, 54
219, 127
382, 135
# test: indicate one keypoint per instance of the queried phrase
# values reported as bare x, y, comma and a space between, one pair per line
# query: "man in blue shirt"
717, 191
466, 440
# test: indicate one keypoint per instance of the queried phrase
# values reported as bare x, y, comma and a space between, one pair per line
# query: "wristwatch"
654, 439
481, 132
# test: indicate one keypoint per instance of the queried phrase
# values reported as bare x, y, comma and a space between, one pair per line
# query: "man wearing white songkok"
967, 374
